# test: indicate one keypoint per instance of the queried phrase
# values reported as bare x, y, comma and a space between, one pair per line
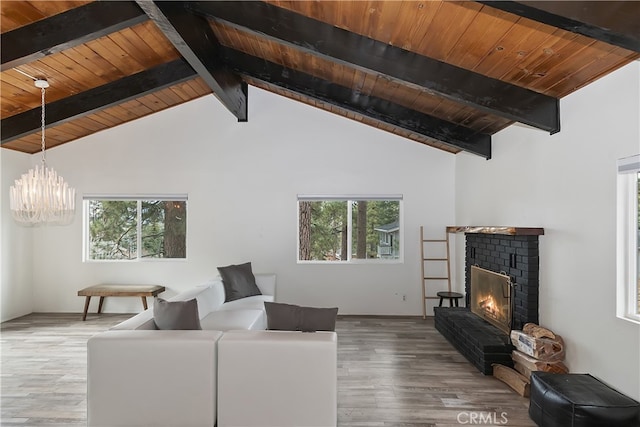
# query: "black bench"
579, 400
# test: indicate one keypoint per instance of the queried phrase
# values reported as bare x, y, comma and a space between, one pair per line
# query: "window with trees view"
127, 229
343, 229
628, 239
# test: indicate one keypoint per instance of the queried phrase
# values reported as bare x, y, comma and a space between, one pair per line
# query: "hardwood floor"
396, 372
392, 372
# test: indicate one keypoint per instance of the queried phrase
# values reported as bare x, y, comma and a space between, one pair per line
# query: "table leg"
440, 304
100, 305
86, 308
144, 302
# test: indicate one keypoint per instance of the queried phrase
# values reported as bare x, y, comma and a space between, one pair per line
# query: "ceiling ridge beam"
192, 36
613, 22
66, 30
375, 108
101, 97
408, 68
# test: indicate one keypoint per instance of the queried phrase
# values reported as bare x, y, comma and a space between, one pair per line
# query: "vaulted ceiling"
446, 74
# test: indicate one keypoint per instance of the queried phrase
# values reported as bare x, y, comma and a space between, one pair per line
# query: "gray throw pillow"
283, 317
238, 281
176, 314
318, 319
289, 317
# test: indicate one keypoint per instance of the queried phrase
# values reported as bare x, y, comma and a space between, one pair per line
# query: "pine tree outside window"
345, 229
135, 228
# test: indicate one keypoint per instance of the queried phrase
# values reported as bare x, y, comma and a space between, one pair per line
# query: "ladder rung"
434, 240
435, 259
431, 297
436, 278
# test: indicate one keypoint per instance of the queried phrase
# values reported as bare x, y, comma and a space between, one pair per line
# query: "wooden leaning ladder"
423, 260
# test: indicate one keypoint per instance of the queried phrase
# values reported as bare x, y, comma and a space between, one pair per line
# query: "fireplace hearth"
480, 331
477, 340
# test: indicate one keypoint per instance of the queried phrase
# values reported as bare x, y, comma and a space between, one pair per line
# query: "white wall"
242, 180
566, 183
16, 244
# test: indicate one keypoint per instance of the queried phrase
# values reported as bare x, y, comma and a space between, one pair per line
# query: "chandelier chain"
42, 123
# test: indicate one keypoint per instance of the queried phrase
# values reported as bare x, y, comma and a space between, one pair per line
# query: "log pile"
537, 349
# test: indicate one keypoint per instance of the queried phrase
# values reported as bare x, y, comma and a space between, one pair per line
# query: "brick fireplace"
508, 250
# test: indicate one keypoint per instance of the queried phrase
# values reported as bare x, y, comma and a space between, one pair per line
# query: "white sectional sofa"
215, 314
140, 376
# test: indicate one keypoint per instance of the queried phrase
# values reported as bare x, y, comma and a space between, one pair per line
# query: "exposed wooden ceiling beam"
66, 30
375, 108
613, 22
193, 38
338, 45
105, 96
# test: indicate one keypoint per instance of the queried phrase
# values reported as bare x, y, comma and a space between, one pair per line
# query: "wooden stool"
453, 298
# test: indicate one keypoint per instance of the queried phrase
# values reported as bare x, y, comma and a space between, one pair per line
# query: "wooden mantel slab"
486, 229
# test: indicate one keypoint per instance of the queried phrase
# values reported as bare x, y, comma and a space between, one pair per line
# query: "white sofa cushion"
267, 283
277, 378
226, 320
210, 297
152, 378
255, 303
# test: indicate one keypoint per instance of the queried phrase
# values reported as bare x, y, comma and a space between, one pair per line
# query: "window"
628, 238
131, 229
349, 228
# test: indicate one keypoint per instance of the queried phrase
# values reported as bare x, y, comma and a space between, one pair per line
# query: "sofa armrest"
141, 321
152, 378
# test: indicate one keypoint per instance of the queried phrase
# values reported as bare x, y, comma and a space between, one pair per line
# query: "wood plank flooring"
395, 372
392, 372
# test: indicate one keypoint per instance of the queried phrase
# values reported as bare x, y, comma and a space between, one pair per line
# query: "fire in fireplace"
491, 297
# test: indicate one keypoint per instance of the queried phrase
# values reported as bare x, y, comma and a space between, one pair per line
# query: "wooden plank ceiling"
445, 74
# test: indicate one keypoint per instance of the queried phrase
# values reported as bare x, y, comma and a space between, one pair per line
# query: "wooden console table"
103, 291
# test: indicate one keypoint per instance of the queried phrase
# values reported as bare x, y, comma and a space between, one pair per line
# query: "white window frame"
139, 198
350, 199
627, 240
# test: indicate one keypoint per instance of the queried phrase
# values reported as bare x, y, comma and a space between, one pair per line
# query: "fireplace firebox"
491, 297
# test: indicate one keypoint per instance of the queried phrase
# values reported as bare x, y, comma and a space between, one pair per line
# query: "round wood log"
537, 331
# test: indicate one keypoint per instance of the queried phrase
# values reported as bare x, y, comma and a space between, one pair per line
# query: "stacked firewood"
537, 349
